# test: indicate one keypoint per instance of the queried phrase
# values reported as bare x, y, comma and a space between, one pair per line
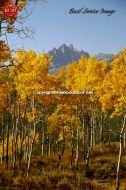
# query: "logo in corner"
10, 10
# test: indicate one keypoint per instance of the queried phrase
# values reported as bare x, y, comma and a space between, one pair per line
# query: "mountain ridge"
66, 54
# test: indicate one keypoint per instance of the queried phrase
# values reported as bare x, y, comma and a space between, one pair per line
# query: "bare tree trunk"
94, 128
120, 155
15, 138
77, 149
43, 138
62, 151
12, 151
2, 159
2, 145
77, 140
30, 154
109, 133
49, 146
93, 125
72, 145
101, 130
88, 148
32, 141
124, 142
87, 157
23, 135
91, 128
7, 140
84, 139
27, 150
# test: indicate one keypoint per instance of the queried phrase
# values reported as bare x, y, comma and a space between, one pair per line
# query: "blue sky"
54, 25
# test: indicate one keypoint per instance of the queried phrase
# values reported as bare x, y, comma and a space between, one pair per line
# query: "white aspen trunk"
27, 149
87, 157
12, 144
72, 145
29, 156
124, 139
91, 138
7, 141
77, 140
101, 130
87, 145
94, 129
84, 139
2, 157
49, 148
24, 149
77, 149
120, 155
15, 139
109, 133
32, 141
43, 139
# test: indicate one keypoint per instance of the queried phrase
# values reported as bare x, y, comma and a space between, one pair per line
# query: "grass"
45, 175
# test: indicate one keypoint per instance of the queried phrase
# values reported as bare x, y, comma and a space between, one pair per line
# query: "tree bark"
7, 139
84, 139
15, 137
72, 146
2, 158
77, 149
43, 139
77, 139
120, 155
101, 130
32, 141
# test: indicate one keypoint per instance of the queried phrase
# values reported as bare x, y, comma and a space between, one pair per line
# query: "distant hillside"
105, 57
64, 55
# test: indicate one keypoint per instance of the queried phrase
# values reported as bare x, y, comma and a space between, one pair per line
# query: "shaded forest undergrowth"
45, 174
